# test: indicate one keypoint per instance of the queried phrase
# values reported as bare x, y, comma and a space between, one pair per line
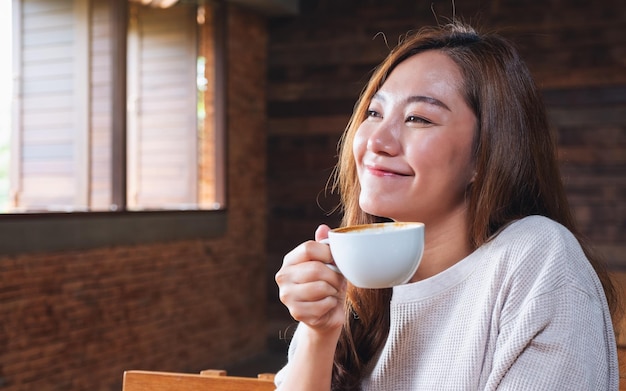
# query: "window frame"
52, 231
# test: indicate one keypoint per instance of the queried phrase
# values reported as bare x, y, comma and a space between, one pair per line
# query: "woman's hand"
313, 293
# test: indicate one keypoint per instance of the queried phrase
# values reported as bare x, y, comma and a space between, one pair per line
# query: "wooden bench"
209, 380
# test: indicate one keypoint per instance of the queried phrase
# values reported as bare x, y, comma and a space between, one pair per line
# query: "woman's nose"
384, 139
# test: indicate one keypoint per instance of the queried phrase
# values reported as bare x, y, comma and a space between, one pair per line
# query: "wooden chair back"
209, 380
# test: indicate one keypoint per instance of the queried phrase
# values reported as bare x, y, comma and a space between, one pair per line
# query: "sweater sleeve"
555, 333
280, 375
553, 344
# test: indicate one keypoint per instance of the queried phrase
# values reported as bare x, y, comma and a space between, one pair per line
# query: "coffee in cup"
379, 255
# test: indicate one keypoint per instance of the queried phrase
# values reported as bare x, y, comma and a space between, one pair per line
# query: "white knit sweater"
525, 311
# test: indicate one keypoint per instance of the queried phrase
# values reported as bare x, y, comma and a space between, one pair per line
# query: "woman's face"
414, 150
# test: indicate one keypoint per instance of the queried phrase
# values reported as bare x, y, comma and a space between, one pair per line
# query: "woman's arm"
560, 340
314, 295
311, 363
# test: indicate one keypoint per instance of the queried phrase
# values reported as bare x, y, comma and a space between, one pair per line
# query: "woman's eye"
418, 120
373, 114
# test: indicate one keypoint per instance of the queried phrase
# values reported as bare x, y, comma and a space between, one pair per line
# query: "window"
64, 131
103, 124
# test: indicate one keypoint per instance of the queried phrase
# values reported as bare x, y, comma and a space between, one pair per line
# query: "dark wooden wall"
320, 61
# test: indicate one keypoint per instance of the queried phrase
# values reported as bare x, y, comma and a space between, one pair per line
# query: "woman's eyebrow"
378, 96
416, 98
427, 99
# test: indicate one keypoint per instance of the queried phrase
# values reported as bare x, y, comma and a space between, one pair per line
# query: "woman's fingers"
321, 232
311, 312
308, 251
308, 257
313, 293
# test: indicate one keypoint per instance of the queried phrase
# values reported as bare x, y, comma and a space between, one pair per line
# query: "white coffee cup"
378, 255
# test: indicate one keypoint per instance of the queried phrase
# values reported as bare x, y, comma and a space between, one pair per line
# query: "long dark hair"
517, 171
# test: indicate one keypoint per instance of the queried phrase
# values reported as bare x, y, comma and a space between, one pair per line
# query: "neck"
446, 242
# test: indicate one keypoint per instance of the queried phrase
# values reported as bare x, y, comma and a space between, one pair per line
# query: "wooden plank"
566, 76
618, 273
163, 381
310, 108
595, 96
595, 116
584, 154
344, 88
345, 52
314, 125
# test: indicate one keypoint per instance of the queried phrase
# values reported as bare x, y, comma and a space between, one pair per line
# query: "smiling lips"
383, 171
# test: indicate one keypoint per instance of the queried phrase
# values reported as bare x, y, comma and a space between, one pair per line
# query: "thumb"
321, 232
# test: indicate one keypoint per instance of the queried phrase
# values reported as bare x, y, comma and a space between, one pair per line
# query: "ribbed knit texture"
525, 311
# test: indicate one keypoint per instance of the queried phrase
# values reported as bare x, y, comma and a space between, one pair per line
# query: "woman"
451, 131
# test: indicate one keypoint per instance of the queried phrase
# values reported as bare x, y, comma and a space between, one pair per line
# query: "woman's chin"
379, 212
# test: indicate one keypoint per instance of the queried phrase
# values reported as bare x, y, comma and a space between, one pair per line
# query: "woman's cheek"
359, 145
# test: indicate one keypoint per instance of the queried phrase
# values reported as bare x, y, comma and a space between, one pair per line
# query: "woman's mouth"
383, 171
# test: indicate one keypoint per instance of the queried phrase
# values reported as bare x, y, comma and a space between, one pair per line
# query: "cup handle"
331, 266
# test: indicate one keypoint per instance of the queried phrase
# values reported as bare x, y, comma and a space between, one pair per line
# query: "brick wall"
77, 320
320, 61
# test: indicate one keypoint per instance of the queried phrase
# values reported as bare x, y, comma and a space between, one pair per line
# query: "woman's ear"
473, 178
471, 181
